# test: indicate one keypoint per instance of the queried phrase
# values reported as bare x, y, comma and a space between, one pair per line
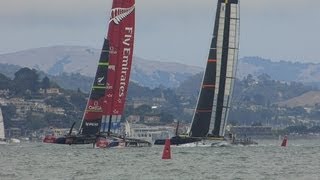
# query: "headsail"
107, 97
214, 100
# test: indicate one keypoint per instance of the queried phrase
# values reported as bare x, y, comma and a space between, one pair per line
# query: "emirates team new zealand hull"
115, 140
77, 139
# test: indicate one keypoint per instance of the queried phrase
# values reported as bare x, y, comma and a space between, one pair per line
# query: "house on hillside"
55, 91
51, 91
4, 92
151, 119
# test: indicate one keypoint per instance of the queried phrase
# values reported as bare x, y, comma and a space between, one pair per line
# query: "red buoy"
284, 141
166, 150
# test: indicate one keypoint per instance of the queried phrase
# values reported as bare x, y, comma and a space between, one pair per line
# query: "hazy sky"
166, 30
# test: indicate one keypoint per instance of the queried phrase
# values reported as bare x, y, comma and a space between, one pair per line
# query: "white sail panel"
223, 121
231, 64
223, 10
219, 50
228, 87
220, 31
234, 11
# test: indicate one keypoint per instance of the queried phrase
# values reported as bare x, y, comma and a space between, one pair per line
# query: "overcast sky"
166, 30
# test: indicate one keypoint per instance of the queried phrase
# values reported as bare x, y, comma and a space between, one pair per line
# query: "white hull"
3, 142
14, 141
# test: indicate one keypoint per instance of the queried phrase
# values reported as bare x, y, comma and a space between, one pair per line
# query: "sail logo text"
118, 14
100, 79
127, 52
92, 124
112, 50
96, 107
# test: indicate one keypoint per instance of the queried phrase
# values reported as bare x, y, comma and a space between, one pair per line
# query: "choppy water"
300, 160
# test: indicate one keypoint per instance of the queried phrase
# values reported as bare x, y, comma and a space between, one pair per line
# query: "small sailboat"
3, 139
2, 132
211, 113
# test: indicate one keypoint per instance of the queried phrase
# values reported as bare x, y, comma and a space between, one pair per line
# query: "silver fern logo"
118, 14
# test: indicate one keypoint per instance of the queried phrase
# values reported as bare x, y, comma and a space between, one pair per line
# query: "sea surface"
300, 160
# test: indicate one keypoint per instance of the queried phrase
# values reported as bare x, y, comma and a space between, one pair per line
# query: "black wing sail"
91, 121
201, 120
214, 99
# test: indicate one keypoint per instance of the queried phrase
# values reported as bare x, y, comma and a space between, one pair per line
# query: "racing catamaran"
108, 94
211, 113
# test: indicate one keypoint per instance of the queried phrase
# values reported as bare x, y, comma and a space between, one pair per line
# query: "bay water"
300, 160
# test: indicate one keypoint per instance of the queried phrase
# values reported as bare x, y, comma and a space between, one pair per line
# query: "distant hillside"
9, 69
309, 99
308, 73
64, 80
83, 60
55, 60
62, 61
191, 86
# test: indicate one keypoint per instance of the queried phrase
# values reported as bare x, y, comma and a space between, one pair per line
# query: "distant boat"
108, 93
14, 141
211, 113
3, 139
146, 133
2, 131
242, 141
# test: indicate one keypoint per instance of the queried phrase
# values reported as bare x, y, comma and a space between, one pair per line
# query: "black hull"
76, 140
178, 140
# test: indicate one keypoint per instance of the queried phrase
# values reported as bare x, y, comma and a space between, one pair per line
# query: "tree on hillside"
315, 129
79, 100
25, 79
59, 101
5, 82
128, 110
45, 83
264, 78
166, 117
35, 121
297, 129
142, 110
